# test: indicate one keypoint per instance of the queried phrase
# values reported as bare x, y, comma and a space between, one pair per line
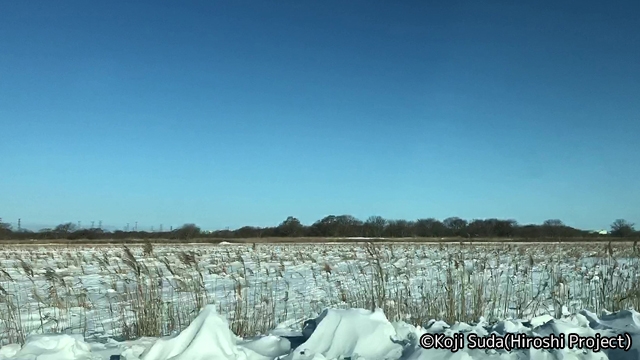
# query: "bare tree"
187, 231
455, 225
622, 228
374, 226
291, 227
65, 228
553, 222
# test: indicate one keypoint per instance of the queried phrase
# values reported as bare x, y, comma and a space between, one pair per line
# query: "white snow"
354, 332
50, 347
209, 337
84, 294
339, 334
94, 284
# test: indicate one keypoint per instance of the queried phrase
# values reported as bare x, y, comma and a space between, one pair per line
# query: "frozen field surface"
86, 302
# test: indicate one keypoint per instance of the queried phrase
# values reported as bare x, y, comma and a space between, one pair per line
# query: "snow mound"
51, 347
354, 333
209, 337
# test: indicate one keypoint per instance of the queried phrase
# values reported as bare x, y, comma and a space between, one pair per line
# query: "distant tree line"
343, 226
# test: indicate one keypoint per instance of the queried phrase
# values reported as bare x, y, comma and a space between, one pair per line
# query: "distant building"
600, 232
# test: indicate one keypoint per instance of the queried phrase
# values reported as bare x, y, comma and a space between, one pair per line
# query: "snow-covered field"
120, 301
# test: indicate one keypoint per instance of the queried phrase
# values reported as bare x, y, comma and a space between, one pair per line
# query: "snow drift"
351, 333
50, 347
209, 337
340, 334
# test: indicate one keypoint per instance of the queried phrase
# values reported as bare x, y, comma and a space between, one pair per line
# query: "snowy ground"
107, 295
360, 334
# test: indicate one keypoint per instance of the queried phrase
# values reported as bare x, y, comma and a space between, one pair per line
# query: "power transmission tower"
92, 223
19, 225
160, 227
151, 228
127, 227
100, 224
136, 228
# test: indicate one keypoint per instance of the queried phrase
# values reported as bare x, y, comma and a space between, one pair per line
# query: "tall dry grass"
147, 293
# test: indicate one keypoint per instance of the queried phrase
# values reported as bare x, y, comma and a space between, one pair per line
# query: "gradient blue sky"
231, 113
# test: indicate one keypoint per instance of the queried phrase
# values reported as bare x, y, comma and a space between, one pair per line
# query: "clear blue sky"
231, 113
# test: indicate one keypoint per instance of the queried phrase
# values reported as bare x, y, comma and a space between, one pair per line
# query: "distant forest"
342, 226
